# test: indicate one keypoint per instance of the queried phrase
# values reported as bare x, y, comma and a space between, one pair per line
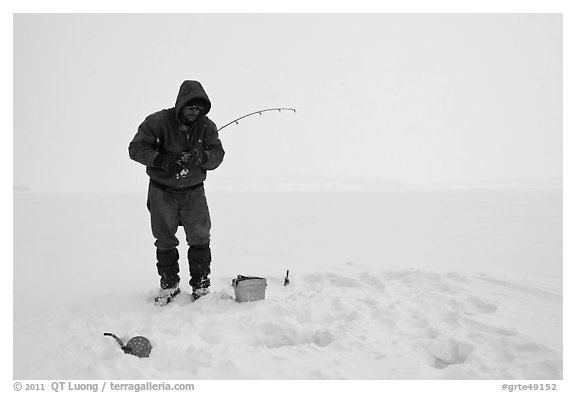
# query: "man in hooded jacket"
178, 146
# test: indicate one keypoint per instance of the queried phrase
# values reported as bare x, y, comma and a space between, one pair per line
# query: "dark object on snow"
247, 289
286, 279
138, 346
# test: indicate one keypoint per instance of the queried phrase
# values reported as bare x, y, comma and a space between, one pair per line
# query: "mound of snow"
347, 323
386, 285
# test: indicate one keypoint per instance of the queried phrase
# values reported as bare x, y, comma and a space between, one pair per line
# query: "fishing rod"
186, 171
257, 112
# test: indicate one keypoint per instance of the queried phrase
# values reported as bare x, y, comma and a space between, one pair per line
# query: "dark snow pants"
168, 210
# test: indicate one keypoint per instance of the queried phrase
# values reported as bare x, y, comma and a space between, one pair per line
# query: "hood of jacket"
192, 90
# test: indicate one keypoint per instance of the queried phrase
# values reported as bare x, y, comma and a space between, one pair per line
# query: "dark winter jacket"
163, 132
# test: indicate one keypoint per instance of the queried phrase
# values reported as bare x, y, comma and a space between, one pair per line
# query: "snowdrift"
345, 324
82, 268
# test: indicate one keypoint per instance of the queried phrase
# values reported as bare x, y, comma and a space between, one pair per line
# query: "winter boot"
168, 270
197, 293
166, 295
199, 259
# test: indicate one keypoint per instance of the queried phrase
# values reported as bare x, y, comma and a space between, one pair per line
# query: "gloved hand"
170, 162
194, 158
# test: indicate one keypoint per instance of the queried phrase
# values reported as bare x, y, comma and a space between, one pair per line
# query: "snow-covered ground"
398, 284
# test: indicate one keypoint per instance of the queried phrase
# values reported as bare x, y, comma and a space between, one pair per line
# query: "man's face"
191, 113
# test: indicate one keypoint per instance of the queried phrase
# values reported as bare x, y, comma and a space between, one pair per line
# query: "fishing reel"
184, 172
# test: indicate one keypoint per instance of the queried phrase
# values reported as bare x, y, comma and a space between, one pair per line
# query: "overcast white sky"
401, 97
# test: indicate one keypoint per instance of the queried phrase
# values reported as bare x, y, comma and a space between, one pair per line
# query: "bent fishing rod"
257, 112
